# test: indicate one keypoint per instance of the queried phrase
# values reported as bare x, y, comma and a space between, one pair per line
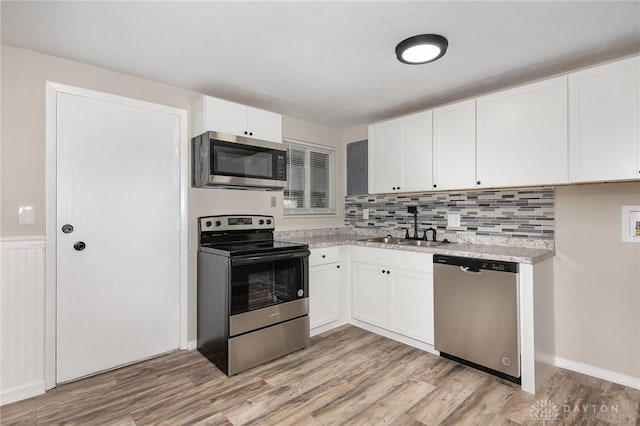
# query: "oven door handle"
242, 260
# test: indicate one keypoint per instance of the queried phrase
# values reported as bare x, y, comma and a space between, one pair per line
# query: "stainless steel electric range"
253, 292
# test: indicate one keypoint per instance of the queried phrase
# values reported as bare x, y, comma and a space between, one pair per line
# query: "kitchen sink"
420, 243
402, 241
385, 240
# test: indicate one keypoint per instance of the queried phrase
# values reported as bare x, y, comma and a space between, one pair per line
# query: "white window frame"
309, 211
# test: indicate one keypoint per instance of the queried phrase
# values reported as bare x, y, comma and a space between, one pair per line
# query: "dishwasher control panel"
476, 264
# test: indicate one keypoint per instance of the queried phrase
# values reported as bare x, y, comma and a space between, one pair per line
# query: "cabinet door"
226, 117
264, 125
416, 135
324, 294
604, 135
411, 304
454, 146
383, 157
369, 294
522, 135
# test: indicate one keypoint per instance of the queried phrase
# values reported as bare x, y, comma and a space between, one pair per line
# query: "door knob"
79, 245
67, 229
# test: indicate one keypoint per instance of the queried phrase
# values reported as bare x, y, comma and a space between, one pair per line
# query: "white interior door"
118, 185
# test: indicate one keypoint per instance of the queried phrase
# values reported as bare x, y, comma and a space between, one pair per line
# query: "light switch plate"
365, 214
453, 220
273, 201
26, 215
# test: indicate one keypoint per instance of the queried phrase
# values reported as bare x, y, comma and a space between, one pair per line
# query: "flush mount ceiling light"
421, 49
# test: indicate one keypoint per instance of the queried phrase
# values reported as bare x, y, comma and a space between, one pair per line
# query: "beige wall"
355, 134
22, 148
597, 278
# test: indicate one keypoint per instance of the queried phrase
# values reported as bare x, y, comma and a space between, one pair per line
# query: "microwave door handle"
238, 261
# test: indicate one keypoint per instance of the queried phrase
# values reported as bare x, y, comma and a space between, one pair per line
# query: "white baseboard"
192, 344
600, 373
326, 327
394, 336
22, 392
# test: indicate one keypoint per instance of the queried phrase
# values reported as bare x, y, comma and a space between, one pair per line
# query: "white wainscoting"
22, 286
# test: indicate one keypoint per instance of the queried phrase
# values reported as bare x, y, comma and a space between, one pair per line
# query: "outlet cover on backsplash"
453, 221
524, 213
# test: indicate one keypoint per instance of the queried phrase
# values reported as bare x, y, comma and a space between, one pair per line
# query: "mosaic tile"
524, 213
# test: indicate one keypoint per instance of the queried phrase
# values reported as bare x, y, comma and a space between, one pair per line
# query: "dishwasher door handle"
469, 271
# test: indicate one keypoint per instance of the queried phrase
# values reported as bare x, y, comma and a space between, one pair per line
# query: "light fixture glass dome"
421, 49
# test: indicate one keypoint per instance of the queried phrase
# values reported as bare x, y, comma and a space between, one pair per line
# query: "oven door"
267, 289
252, 164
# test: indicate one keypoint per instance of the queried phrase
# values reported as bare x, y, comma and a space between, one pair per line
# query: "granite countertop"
478, 251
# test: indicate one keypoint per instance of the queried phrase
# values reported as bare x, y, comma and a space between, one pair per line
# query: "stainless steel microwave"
224, 160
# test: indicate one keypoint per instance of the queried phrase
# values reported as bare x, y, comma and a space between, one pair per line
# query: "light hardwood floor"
348, 376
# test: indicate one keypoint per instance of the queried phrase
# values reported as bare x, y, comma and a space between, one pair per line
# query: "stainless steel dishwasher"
476, 313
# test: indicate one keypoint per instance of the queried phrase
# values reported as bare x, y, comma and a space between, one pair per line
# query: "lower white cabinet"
324, 294
326, 291
393, 290
369, 293
411, 304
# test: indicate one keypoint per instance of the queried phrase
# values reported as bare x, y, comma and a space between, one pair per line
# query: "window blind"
310, 179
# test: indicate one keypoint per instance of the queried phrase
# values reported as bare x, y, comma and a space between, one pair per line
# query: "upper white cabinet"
416, 142
604, 122
522, 135
384, 157
454, 146
212, 114
400, 154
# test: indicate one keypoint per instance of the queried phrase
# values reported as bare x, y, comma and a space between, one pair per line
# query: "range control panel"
235, 222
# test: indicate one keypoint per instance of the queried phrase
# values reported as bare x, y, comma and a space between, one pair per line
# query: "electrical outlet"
365, 214
273, 201
453, 220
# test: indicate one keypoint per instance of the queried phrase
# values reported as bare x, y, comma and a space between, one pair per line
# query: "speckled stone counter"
464, 249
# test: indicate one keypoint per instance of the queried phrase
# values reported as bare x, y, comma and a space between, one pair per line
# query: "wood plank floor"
347, 377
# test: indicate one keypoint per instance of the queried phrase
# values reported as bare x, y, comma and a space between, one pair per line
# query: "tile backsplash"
524, 213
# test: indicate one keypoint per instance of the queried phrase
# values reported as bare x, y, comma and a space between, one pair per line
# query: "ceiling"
328, 62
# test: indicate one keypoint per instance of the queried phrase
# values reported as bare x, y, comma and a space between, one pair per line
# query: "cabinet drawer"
322, 256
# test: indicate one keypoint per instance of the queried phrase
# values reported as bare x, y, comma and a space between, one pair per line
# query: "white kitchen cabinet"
369, 293
324, 295
326, 298
384, 156
411, 304
454, 146
416, 141
212, 114
393, 290
400, 154
604, 122
265, 125
522, 135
